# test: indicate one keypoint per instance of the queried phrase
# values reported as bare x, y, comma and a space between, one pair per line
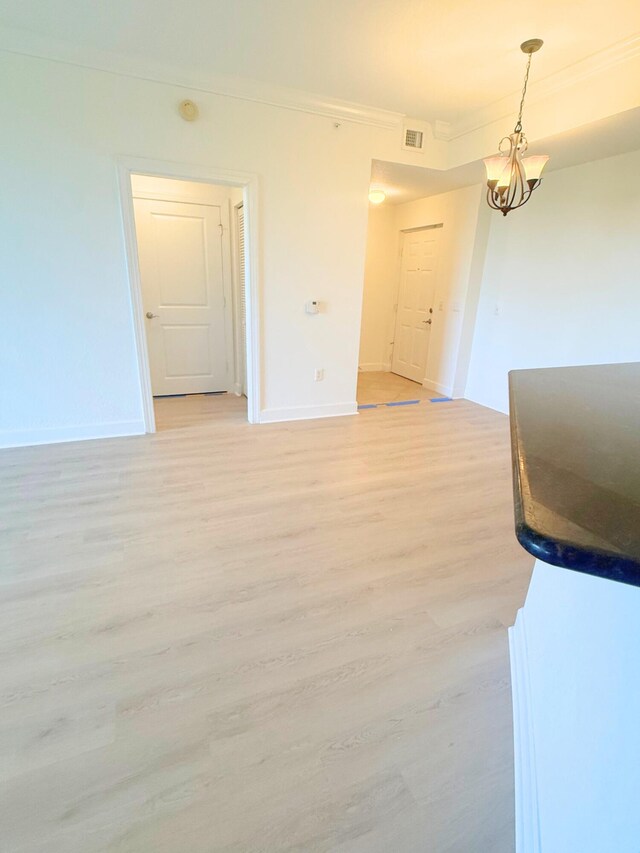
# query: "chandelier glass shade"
512, 177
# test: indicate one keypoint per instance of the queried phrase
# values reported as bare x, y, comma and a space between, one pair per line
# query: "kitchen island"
575, 647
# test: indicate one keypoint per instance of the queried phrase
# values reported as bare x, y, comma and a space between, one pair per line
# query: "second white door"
183, 291
416, 295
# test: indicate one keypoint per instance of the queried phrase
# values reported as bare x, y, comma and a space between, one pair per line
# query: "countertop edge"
554, 550
567, 555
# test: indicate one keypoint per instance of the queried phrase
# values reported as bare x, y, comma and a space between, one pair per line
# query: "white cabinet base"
575, 662
527, 826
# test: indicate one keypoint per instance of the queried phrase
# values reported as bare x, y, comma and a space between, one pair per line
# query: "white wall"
67, 347
381, 273
67, 342
462, 245
562, 273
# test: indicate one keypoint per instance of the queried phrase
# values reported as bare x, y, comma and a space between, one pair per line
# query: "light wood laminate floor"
292, 637
379, 387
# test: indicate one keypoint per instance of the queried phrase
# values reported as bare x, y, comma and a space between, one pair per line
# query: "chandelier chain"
518, 126
512, 177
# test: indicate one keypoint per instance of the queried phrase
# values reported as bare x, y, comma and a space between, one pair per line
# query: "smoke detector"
188, 110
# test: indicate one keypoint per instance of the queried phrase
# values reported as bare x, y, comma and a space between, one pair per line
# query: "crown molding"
592, 66
30, 44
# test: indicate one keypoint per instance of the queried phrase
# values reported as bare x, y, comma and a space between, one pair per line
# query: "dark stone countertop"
575, 438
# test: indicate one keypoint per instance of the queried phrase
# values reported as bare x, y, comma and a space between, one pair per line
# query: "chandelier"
511, 177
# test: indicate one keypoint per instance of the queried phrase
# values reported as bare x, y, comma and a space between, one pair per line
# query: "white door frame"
187, 172
240, 357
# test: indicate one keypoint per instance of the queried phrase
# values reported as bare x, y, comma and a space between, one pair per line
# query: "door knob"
150, 315
428, 322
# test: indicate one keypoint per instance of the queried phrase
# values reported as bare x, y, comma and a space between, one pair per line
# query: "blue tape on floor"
441, 400
403, 403
368, 406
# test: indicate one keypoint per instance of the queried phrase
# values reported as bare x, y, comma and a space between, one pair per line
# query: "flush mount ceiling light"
511, 178
377, 196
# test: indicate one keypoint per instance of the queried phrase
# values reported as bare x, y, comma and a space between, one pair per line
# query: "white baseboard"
55, 435
301, 413
374, 367
526, 792
444, 390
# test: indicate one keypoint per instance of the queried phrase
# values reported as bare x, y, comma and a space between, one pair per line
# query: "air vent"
413, 138
415, 134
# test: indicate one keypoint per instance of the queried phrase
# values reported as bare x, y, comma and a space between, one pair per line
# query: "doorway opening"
401, 283
194, 294
426, 243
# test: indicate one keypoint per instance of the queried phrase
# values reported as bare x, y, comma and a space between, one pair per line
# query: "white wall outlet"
318, 374
312, 306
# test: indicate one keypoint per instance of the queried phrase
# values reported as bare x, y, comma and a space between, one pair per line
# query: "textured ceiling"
431, 59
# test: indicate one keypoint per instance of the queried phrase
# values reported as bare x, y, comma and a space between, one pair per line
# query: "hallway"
379, 387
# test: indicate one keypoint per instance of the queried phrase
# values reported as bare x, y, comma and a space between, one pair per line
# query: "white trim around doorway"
248, 182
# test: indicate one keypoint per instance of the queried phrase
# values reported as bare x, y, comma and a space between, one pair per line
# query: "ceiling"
403, 183
614, 135
429, 59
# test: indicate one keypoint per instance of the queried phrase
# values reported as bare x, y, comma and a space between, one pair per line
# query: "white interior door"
183, 292
416, 294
